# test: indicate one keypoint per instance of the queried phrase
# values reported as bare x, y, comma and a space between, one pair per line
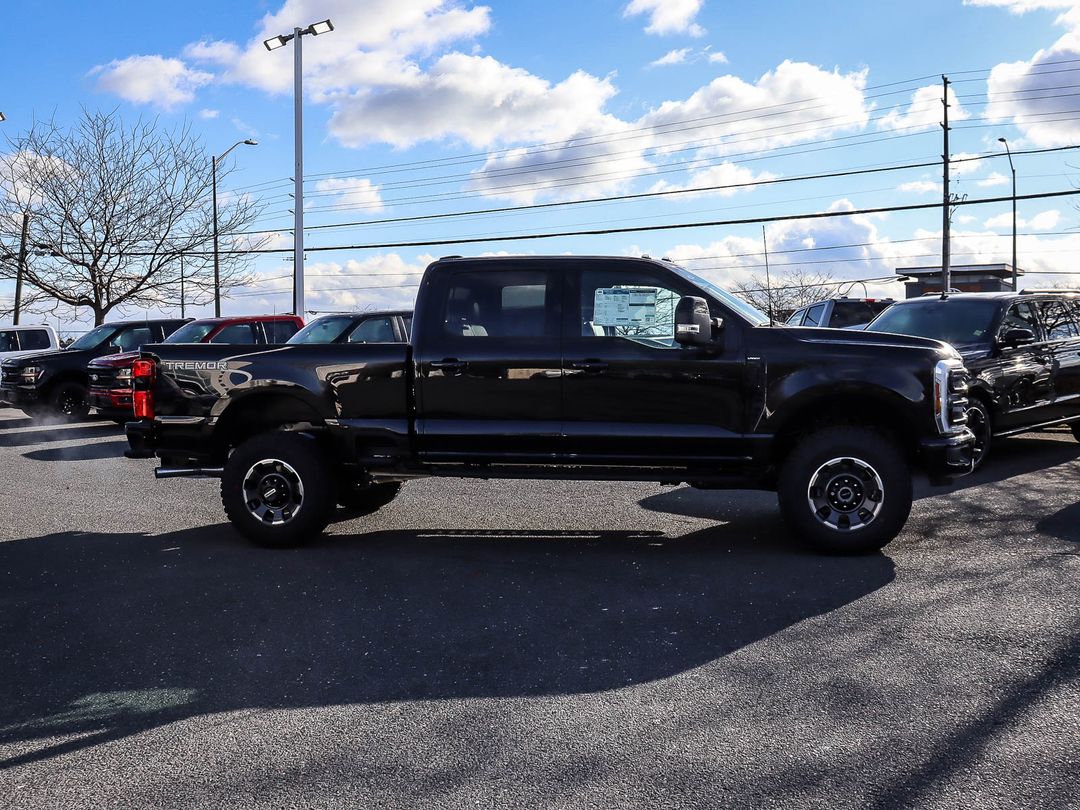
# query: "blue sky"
626, 96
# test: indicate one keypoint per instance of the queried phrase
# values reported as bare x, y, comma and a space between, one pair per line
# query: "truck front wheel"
846, 490
277, 490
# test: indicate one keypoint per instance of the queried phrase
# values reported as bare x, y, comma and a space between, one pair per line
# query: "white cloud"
353, 192
920, 187
673, 57
477, 99
725, 174
993, 179
208, 113
728, 102
216, 52
718, 57
925, 110
1045, 221
668, 16
155, 80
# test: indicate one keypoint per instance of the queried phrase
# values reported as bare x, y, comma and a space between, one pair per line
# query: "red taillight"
143, 374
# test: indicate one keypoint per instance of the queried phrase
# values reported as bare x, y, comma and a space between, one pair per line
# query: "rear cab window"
501, 304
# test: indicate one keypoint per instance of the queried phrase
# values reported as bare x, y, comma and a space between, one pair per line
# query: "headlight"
29, 372
950, 395
123, 374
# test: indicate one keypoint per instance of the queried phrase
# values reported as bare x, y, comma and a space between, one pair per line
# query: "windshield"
323, 330
955, 321
94, 338
193, 332
748, 311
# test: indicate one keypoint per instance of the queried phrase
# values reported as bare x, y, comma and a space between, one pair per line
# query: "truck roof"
249, 318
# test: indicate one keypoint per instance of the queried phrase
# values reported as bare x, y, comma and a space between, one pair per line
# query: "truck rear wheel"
365, 500
846, 490
277, 490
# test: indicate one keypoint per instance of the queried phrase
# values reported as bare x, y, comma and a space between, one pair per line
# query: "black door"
1021, 376
632, 394
1061, 327
489, 378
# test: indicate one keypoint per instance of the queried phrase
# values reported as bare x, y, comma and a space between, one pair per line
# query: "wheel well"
863, 410
63, 378
258, 413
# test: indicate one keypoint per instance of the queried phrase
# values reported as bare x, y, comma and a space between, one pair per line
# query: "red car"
110, 376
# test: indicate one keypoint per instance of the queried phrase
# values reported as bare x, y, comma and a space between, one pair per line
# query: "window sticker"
623, 306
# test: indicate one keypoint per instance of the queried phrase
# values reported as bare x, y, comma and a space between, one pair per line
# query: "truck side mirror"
693, 323
1017, 336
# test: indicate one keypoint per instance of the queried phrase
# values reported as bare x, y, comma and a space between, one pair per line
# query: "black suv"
1022, 350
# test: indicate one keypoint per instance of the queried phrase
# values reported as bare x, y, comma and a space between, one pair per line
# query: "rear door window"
34, 339
512, 304
279, 331
240, 333
1057, 319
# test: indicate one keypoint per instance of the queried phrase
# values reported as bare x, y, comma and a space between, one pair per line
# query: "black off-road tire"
845, 471
68, 401
272, 467
358, 501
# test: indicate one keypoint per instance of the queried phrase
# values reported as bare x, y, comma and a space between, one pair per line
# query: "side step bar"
189, 472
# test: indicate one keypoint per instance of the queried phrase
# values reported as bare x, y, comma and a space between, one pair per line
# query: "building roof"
1003, 270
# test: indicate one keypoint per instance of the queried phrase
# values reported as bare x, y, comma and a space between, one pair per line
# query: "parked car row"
95, 371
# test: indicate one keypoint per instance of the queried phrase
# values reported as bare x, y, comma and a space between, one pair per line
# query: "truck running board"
189, 472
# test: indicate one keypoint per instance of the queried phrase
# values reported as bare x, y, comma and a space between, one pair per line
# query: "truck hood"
849, 337
121, 360
44, 358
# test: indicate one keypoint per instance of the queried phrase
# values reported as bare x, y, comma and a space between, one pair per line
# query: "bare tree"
116, 214
787, 292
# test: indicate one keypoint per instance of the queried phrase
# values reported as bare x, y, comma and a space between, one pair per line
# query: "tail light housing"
143, 377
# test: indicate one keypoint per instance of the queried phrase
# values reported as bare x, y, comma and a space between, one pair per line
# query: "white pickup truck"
17, 341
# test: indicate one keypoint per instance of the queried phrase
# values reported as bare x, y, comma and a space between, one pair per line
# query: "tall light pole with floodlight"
1015, 271
3, 117
271, 44
213, 182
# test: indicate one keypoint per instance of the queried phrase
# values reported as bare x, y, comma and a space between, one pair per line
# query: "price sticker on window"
624, 306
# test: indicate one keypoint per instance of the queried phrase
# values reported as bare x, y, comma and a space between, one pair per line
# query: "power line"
647, 228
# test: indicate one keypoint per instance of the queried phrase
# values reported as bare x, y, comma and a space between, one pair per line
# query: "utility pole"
946, 270
217, 272
298, 174
21, 269
181, 285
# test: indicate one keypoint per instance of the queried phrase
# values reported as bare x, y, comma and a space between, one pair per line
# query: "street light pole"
213, 182
1015, 270
21, 269
298, 174
271, 44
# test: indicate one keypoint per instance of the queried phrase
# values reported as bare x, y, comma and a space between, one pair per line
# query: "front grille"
11, 376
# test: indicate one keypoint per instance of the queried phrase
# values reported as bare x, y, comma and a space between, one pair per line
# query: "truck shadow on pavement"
107, 635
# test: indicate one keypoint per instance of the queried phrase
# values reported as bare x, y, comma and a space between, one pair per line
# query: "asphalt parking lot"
532, 644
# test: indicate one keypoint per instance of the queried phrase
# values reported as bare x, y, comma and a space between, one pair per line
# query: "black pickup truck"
570, 368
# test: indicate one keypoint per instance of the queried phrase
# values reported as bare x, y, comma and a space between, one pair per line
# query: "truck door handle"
589, 366
450, 365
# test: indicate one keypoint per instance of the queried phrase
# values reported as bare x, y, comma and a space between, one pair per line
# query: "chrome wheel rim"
273, 492
845, 494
